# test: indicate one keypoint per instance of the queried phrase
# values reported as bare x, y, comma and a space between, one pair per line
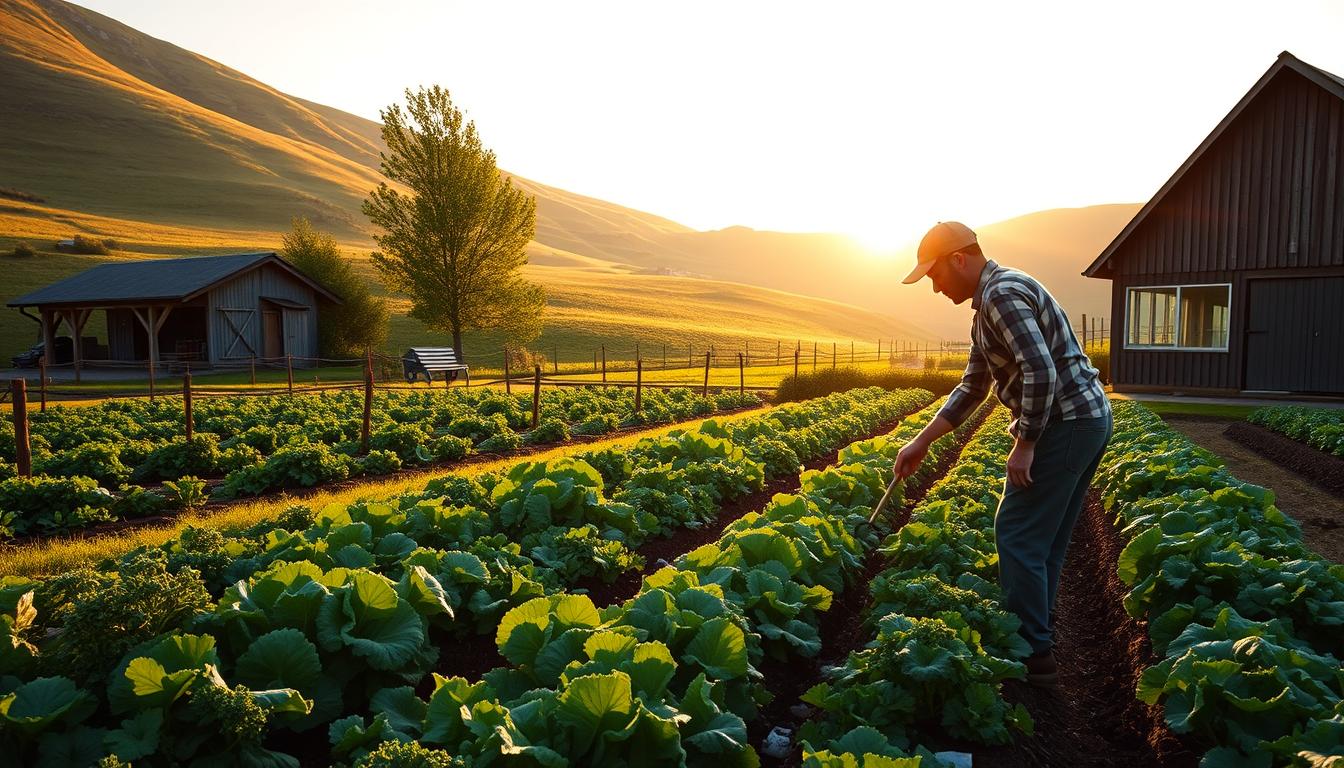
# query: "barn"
1230, 280
204, 311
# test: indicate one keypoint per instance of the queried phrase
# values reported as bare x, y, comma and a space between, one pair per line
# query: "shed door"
273, 340
1294, 334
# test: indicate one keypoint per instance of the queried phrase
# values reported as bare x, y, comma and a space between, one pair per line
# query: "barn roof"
1330, 82
157, 280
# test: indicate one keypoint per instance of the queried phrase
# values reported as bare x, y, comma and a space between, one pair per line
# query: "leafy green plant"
186, 492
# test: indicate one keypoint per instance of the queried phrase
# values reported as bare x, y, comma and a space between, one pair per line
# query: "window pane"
1152, 316
1204, 316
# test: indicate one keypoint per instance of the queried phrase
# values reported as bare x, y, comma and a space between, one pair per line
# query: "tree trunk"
457, 347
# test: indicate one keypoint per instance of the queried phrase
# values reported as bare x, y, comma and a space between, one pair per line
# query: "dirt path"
1319, 511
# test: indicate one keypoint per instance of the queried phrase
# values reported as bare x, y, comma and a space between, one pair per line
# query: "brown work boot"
1042, 670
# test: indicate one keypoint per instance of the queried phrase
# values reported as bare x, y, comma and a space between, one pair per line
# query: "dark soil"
841, 628
1284, 466
1093, 718
1321, 468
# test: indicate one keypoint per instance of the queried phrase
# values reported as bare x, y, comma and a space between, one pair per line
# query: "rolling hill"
122, 135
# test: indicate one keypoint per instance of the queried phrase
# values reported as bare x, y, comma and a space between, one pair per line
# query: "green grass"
60, 555
1230, 412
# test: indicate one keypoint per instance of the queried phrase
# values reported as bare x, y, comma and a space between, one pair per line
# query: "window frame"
1173, 347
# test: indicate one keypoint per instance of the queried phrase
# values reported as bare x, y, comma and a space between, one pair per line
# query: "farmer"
1022, 344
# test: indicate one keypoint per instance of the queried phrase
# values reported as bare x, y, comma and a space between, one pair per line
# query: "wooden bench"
427, 361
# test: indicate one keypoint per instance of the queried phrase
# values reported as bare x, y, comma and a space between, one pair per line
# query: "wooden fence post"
741, 375
833, 355
186, 403
23, 455
555, 360
779, 347
851, 351
252, 370
42, 382
536, 396
289, 373
508, 388
151, 379
604, 363
1082, 334
814, 356
368, 406
795, 363
639, 385
705, 391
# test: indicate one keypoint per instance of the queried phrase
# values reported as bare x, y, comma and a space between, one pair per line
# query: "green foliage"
197, 456
53, 503
397, 754
360, 321
1321, 428
380, 463
455, 240
824, 381
187, 492
101, 615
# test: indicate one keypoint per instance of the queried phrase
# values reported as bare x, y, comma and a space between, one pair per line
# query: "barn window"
1179, 317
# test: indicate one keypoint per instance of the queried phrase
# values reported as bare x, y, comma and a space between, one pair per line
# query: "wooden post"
23, 454
366, 427
151, 380
814, 356
779, 347
1083, 335
795, 363
705, 391
536, 396
833, 355
289, 373
604, 363
741, 375
252, 369
42, 382
639, 385
186, 404
555, 360
851, 351
508, 388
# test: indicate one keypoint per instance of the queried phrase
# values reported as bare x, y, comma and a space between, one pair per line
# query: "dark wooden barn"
1231, 279
204, 311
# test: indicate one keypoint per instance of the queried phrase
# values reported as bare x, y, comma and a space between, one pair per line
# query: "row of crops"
1248, 622
333, 631
1321, 428
940, 642
89, 462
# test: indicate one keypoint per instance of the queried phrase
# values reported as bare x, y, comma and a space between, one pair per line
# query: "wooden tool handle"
882, 503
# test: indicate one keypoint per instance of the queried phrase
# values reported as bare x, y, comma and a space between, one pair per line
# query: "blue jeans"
1032, 525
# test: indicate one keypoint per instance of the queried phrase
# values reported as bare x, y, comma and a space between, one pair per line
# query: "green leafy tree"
454, 229
360, 321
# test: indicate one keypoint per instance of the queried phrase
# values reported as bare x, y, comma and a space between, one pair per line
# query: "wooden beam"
49, 336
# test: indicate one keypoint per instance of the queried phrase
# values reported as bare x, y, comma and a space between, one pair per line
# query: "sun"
883, 244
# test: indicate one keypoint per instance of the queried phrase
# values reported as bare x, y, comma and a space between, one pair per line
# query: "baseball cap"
945, 237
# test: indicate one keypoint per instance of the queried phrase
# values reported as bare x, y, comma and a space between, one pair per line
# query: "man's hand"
1019, 463
909, 458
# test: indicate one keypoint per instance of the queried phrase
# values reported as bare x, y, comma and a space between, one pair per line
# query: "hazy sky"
873, 119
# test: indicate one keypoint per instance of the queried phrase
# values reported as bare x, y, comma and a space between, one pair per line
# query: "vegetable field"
91, 464
668, 601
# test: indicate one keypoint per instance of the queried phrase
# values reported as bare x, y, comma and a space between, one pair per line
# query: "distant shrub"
92, 245
826, 381
24, 251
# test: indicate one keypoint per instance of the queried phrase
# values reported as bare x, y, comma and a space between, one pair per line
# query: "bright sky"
872, 119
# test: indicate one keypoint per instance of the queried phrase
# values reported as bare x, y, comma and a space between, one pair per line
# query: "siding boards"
247, 292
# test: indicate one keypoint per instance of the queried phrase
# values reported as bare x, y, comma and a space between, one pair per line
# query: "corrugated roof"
152, 280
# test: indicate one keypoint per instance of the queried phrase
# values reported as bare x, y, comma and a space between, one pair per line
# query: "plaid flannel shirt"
1022, 343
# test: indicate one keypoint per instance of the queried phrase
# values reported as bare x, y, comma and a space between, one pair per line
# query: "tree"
360, 321
455, 240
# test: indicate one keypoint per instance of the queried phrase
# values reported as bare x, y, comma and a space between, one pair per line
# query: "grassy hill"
122, 135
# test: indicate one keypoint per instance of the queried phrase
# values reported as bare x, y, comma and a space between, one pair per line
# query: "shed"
207, 310
1230, 280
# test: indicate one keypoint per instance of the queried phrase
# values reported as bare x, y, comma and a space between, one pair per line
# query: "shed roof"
156, 280
1330, 82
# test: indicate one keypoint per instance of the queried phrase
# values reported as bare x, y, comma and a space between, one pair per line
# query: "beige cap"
945, 237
